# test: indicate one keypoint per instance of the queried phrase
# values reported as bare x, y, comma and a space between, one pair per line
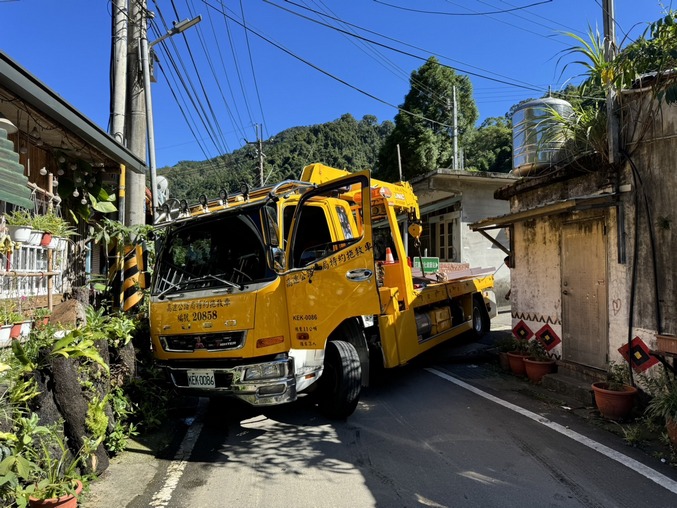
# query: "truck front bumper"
260, 384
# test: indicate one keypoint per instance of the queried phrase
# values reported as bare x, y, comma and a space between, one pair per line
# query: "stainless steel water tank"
536, 138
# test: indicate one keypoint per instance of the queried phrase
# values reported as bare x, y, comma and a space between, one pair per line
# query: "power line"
251, 63
237, 64
326, 73
439, 55
186, 82
402, 52
224, 148
217, 81
444, 13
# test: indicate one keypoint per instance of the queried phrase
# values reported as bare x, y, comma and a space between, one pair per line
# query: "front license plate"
201, 379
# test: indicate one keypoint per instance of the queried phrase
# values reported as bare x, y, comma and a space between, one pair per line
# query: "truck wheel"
341, 380
480, 319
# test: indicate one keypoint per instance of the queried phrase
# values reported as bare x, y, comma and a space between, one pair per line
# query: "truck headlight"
265, 371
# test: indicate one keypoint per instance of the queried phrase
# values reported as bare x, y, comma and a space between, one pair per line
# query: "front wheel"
480, 319
341, 380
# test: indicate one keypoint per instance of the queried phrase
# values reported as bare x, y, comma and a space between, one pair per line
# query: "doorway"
584, 293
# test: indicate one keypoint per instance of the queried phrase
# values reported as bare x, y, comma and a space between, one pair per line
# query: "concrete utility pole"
145, 63
455, 129
610, 53
117, 120
259, 144
136, 117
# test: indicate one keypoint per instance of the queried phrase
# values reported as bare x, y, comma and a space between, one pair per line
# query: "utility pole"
117, 120
609, 54
261, 155
399, 161
136, 117
455, 128
150, 127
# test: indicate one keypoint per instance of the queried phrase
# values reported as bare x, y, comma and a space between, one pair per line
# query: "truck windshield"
224, 251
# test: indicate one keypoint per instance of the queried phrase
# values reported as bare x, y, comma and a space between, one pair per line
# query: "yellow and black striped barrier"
127, 291
134, 276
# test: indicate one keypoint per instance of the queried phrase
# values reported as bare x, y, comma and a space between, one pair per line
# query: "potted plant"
54, 478
53, 227
19, 225
615, 397
38, 468
10, 319
41, 315
538, 363
504, 346
520, 350
663, 403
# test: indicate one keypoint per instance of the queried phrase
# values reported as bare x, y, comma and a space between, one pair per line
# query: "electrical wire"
406, 53
224, 147
237, 67
188, 86
251, 63
443, 13
387, 63
327, 73
392, 39
217, 81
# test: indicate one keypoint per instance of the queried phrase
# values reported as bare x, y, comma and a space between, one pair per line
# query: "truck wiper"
194, 280
223, 281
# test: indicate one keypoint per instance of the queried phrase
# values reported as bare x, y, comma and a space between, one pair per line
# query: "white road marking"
175, 469
631, 463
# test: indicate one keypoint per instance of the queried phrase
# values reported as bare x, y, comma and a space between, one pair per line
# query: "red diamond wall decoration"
522, 331
637, 353
547, 337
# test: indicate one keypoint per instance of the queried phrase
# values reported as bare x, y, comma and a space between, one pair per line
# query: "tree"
423, 127
344, 143
489, 148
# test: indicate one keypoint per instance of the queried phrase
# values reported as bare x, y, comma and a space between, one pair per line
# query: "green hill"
344, 143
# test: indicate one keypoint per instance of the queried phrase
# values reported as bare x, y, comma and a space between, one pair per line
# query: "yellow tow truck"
297, 287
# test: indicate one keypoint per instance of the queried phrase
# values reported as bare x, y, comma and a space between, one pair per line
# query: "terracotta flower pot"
46, 239
671, 428
614, 404
503, 360
536, 369
516, 361
67, 501
15, 332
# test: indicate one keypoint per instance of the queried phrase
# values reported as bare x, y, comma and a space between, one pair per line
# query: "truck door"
331, 262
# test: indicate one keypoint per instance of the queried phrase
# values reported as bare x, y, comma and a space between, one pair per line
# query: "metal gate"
584, 293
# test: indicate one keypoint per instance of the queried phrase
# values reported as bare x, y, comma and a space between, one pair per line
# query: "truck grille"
206, 341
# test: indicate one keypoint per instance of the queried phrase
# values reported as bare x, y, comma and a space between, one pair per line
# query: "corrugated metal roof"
13, 188
61, 115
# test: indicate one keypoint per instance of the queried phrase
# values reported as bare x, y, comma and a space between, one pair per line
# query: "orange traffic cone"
389, 256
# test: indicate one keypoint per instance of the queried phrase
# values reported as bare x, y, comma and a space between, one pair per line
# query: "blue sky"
291, 71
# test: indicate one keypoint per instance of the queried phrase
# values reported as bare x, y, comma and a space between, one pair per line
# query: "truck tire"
341, 380
480, 319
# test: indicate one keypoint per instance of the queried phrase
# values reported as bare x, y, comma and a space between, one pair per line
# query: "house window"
445, 235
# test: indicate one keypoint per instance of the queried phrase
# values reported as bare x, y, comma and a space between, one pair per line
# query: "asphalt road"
440, 433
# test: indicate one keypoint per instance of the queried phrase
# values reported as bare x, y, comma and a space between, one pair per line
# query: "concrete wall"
650, 129
639, 232
477, 202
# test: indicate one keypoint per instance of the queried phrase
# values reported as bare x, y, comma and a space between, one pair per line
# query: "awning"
43, 102
567, 205
13, 189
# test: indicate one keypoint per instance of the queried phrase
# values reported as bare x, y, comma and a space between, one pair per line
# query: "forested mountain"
344, 143
421, 131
